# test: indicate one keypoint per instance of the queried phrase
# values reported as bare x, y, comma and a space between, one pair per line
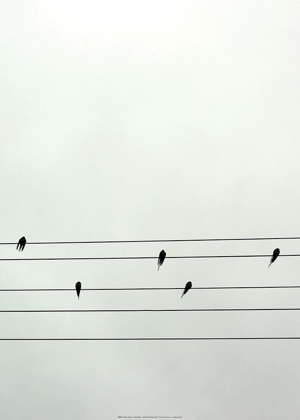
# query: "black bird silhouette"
188, 286
21, 243
161, 258
78, 288
276, 252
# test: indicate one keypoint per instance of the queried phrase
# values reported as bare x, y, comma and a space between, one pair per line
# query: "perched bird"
21, 243
78, 288
276, 252
161, 258
188, 286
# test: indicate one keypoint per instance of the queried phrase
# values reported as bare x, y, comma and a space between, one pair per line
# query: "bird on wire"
276, 252
78, 288
21, 243
188, 286
161, 258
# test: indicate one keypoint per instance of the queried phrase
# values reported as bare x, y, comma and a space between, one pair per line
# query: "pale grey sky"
134, 120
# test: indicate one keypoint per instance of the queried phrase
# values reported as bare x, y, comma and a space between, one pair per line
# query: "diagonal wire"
145, 310
152, 288
158, 240
145, 257
156, 339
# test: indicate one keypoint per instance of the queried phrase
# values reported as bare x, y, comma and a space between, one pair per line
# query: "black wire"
153, 339
145, 310
151, 288
144, 258
159, 240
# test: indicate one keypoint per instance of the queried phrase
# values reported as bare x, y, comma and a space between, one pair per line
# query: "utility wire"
155, 339
158, 240
145, 257
145, 310
151, 288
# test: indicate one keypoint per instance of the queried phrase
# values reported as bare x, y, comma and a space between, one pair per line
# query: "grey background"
134, 120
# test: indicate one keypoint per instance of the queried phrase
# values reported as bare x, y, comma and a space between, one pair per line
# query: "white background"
149, 119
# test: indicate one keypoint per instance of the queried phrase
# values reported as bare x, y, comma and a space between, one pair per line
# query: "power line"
155, 339
158, 240
145, 310
146, 257
151, 288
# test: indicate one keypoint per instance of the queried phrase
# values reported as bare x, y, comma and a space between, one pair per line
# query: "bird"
276, 252
161, 258
188, 286
21, 243
78, 288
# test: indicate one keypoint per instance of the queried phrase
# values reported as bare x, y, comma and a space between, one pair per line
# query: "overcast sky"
149, 120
